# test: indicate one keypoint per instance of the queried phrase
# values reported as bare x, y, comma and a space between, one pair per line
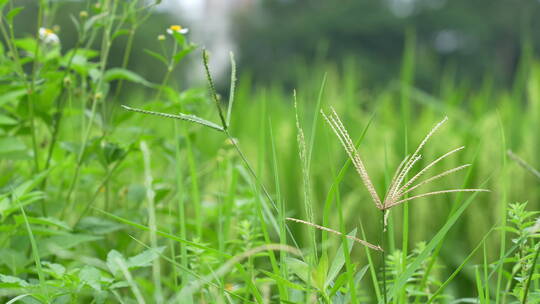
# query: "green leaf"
180, 38
48, 246
180, 55
120, 73
339, 260
157, 56
13, 13
7, 120
145, 258
13, 281
166, 235
11, 96
319, 275
283, 281
180, 116
47, 221
54, 269
422, 256
120, 33
3, 3
92, 20
299, 268
97, 225
112, 261
91, 276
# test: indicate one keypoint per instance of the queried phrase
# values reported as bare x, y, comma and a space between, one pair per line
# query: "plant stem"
383, 268
528, 284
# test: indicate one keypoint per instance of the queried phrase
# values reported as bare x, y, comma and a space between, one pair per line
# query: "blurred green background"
473, 41
405, 64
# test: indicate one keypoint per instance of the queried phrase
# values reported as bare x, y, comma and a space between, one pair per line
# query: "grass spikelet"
367, 244
396, 190
338, 128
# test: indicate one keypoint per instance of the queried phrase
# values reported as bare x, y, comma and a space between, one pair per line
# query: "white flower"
48, 36
177, 29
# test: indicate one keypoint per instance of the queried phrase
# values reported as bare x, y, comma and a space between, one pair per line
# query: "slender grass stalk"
372, 269
308, 210
503, 214
97, 96
131, 282
32, 88
35, 252
530, 276
383, 257
459, 268
150, 196
281, 210
523, 164
184, 259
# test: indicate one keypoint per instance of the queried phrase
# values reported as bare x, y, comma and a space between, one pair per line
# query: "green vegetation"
185, 196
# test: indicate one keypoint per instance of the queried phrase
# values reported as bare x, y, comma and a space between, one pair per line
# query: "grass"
181, 195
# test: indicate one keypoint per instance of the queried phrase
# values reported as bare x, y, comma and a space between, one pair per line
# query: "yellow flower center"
48, 31
176, 28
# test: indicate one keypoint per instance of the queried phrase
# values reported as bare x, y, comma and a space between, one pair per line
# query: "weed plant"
180, 196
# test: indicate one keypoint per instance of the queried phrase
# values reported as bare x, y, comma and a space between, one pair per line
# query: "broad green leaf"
97, 225
299, 268
13, 281
91, 276
6, 120
3, 3
11, 145
145, 258
48, 221
119, 73
11, 96
50, 245
56, 270
112, 257
283, 281
13, 259
13, 13
180, 55
319, 275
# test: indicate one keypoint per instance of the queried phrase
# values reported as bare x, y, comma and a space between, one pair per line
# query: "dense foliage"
184, 196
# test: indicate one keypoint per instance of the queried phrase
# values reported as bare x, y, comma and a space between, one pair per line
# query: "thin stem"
383, 268
32, 93
531, 273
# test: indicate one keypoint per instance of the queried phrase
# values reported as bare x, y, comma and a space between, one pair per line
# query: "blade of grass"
460, 267
163, 234
412, 267
232, 89
35, 252
150, 196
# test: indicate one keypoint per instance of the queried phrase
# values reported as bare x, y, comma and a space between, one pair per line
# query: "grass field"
100, 204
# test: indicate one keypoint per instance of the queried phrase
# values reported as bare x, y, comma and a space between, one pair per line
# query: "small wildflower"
161, 37
230, 287
48, 36
177, 29
67, 81
83, 14
98, 96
